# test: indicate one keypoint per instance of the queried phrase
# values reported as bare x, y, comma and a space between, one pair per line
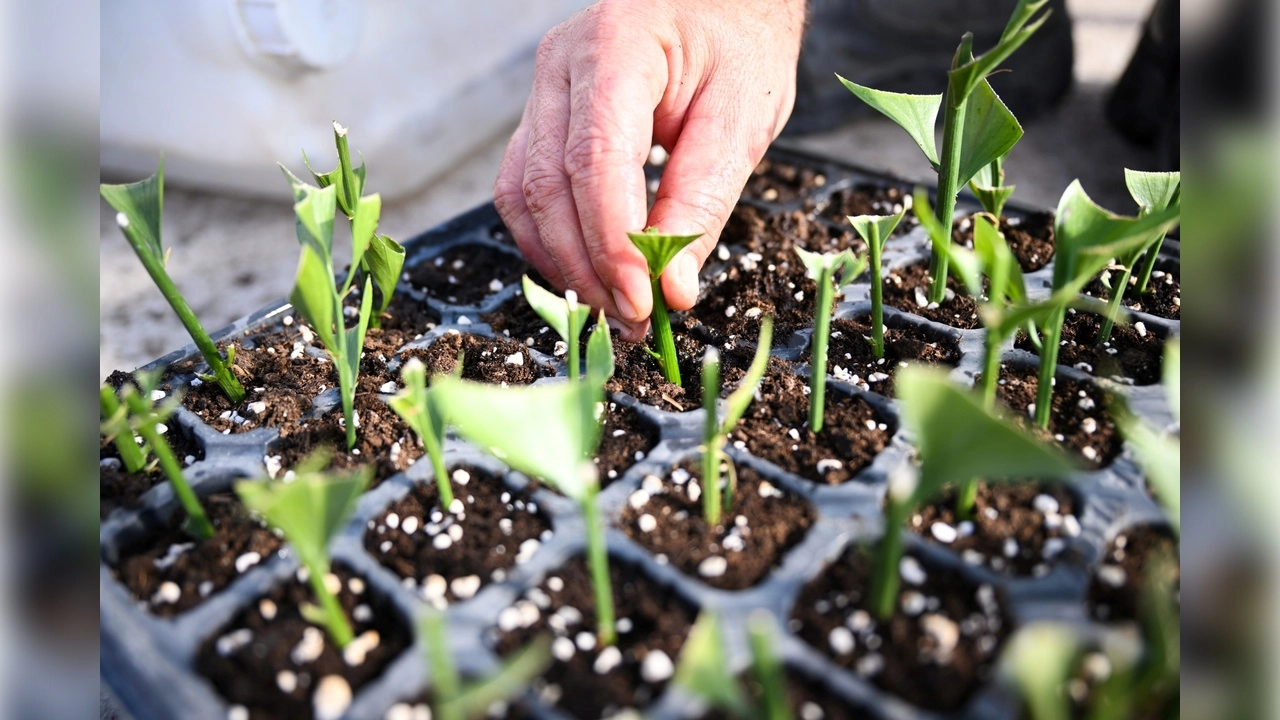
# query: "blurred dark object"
907, 46
1143, 106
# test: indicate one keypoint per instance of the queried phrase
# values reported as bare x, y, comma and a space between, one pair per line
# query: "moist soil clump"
1030, 239
776, 428
1134, 351
625, 440
652, 619
468, 273
1118, 583
485, 359
1162, 299
870, 200
1017, 529
495, 523
273, 662
755, 533
850, 358
119, 488
934, 652
1078, 420
199, 568
907, 289
782, 182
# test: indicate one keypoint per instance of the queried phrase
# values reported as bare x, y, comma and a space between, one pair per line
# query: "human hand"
711, 81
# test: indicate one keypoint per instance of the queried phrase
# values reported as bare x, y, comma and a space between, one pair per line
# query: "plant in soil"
549, 432
658, 250
564, 315
988, 186
139, 209
133, 413
958, 439
977, 128
875, 229
716, 430
823, 268
704, 669
421, 410
455, 700
1153, 191
308, 510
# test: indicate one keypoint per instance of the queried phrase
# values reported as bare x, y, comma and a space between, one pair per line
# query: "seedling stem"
197, 524
116, 425
658, 250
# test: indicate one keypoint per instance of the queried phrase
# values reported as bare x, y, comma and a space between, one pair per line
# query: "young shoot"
658, 250
309, 510
455, 700
825, 268
132, 413
1038, 662
704, 669
875, 229
1152, 191
957, 439
716, 430
988, 186
139, 208
564, 315
977, 128
421, 410
549, 432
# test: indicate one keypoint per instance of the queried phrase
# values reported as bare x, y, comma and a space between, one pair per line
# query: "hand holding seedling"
712, 81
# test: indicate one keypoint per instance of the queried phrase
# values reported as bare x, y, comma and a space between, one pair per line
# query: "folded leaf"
1087, 236
741, 398
554, 310
142, 206
917, 114
990, 132
363, 225
875, 229
385, 260
313, 295
1021, 27
991, 247
314, 209
599, 354
658, 248
1152, 190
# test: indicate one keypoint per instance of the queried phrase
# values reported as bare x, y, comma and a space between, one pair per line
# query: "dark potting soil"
405, 320
516, 320
468, 273
637, 373
776, 428
1030, 238
653, 619
625, 440
870, 200
907, 289
269, 659
1163, 297
1078, 420
199, 568
753, 536
1134, 351
119, 488
485, 359
774, 234
849, 349
782, 182
1120, 580
936, 649
1009, 531
495, 523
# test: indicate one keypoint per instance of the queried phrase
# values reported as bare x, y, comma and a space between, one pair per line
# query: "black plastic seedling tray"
148, 661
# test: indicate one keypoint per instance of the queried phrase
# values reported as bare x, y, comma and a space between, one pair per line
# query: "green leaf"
964, 264
658, 249
1172, 377
741, 398
554, 310
917, 114
314, 208
1021, 16
1087, 237
993, 199
762, 634
599, 354
990, 132
416, 405
385, 260
313, 295
355, 335
875, 229
965, 77
352, 183
704, 668
513, 678
141, 205
829, 264
1152, 190
446, 685
996, 256
1040, 659
959, 439
363, 225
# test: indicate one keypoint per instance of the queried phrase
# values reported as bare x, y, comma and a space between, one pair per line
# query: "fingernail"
625, 308
687, 271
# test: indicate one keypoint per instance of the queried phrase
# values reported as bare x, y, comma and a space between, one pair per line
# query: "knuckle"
588, 154
541, 189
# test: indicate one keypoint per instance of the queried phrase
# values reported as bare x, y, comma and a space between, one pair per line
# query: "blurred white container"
227, 88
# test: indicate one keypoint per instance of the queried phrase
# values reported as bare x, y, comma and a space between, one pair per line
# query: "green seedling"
133, 412
977, 128
716, 430
455, 700
139, 208
421, 410
308, 510
988, 186
564, 315
704, 669
1159, 454
1152, 191
1039, 661
550, 432
875, 230
957, 439
377, 256
823, 268
658, 250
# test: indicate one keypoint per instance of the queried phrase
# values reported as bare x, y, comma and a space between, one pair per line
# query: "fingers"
508, 197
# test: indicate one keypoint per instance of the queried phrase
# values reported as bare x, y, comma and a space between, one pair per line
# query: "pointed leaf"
848, 268
1152, 190
313, 295
993, 199
352, 185
309, 509
355, 335
875, 229
141, 205
314, 208
658, 249
416, 405
1087, 237
990, 132
741, 398
1021, 15
599, 354
964, 78
917, 114
553, 309
959, 439
991, 247
385, 260
704, 668
367, 212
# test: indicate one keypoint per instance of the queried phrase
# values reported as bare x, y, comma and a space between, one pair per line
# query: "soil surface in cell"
626, 439
1030, 239
934, 652
515, 319
485, 359
273, 662
1163, 297
849, 352
781, 182
119, 488
1078, 418
468, 273
199, 568
637, 373
652, 619
907, 289
416, 538
765, 521
1134, 351
870, 200
776, 428
1009, 531
405, 320
1119, 582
